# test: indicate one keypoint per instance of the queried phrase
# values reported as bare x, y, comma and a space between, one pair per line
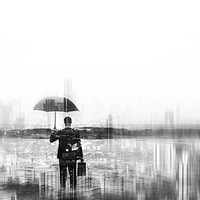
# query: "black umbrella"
53, 104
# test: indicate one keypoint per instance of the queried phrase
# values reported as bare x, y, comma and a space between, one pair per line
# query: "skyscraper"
6, 116
1, 116
71, 95
169, 119
68, 91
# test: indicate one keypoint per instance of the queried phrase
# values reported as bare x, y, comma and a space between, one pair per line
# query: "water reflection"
116, 168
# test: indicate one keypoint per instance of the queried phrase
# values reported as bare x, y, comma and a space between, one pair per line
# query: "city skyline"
132, 70
137, 59
13, 117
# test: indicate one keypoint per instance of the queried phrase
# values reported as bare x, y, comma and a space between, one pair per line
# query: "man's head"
67, 121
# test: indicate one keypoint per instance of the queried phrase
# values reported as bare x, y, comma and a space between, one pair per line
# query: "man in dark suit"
69, 151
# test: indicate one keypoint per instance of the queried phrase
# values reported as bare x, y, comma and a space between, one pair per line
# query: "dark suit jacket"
67, 137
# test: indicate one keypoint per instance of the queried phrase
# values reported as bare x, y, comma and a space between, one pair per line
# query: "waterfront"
131, 168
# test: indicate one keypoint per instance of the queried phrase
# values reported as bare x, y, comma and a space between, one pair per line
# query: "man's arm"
53, 137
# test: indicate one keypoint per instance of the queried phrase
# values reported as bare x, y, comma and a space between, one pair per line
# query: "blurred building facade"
11, 116
169, 119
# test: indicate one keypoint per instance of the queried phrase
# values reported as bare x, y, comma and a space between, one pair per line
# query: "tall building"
19, 123
178, 116
71, 95
110, 129
68, 90
6, 113
16, 108
169, 119
17, 118
110, 121
11, 116
1, 115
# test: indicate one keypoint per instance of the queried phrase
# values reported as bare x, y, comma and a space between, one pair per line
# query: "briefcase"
81, 168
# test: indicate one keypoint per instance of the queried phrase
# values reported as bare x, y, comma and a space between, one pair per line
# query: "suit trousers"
71, 165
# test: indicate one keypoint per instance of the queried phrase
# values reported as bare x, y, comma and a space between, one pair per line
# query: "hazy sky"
135, 58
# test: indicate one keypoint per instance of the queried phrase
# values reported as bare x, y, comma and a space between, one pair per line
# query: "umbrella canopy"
55, 104
60, 104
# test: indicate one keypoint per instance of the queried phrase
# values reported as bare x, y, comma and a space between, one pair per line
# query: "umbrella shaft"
55, 121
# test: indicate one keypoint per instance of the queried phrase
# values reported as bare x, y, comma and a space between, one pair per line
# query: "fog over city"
134, 60
99, 99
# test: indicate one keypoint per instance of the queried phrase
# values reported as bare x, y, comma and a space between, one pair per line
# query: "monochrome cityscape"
155, 165
111, 84
12, 116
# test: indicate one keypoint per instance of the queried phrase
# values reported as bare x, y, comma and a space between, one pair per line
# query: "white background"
134, 59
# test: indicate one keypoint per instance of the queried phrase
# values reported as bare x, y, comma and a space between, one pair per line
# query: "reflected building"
187, 177
29, 174
140, 168
10, 163
164, 159
172, 161
182, 178
48, 179
8, 195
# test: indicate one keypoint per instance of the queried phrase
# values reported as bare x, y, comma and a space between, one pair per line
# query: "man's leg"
72, 173
63, 172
